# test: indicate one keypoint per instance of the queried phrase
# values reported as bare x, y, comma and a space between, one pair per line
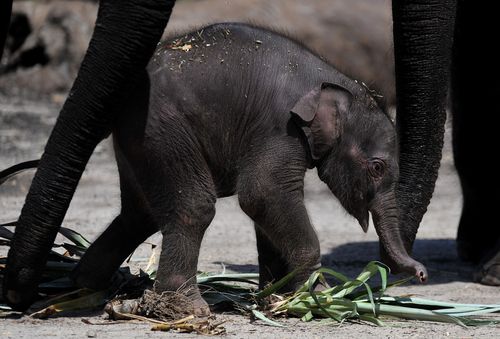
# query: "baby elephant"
236, 109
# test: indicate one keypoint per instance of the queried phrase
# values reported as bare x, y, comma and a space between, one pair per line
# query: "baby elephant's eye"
376, 167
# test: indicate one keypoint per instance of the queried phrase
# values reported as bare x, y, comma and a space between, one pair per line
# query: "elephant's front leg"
478, 238
272, 265
286, 241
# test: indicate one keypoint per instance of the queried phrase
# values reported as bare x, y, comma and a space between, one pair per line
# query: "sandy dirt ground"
230, 242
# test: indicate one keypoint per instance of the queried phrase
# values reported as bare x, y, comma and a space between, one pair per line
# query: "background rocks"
46, 46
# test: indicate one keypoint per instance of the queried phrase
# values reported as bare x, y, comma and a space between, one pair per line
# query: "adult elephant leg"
423, 35
124, 39
473, 137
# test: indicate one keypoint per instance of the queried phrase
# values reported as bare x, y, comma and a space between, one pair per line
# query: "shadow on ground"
438, 255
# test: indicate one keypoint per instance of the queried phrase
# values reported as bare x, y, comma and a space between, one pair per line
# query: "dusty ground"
24, 128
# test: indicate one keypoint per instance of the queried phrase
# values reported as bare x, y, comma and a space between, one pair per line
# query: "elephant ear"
318, 115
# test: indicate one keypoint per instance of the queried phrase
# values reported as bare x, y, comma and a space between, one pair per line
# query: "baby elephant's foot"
189, 300
167, 305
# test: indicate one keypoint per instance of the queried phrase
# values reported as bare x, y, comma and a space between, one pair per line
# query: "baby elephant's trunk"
385, 217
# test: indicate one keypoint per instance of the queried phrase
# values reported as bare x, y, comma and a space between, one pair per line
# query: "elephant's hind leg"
109, 251
127, 231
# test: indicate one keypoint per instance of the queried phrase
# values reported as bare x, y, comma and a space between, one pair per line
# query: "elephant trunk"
124, 39
5, 13
385, 218
423, 34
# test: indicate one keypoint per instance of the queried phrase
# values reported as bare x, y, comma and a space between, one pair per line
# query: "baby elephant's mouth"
362, 214
364, 220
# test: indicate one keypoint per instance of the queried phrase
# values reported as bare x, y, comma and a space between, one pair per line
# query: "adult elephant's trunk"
384, 212
423, 32
124, 39
5, 12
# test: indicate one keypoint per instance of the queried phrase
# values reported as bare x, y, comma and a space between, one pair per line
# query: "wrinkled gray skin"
245, 111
